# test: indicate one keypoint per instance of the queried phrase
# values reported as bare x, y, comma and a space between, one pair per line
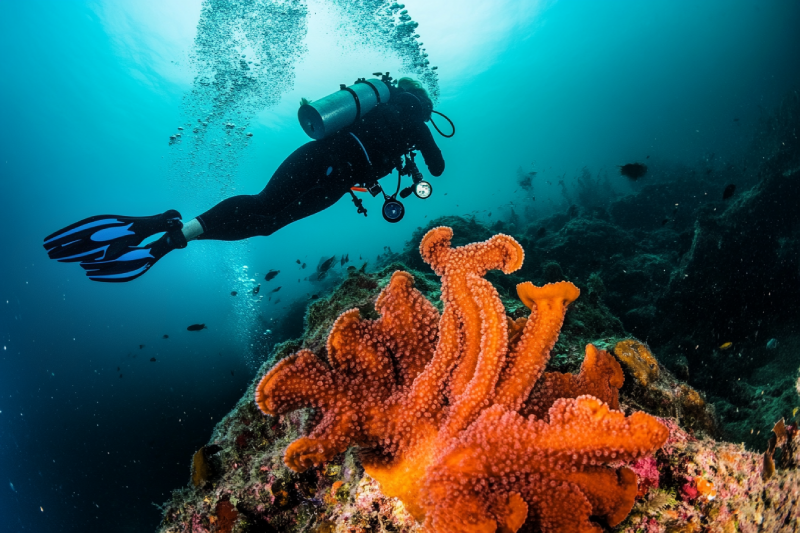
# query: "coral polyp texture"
454, 415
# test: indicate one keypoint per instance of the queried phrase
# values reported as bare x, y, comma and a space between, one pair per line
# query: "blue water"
90, 93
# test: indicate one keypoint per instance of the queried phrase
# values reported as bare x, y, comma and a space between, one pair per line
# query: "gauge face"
423, 189
393, 211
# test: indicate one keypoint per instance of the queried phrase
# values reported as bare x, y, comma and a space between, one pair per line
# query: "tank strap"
377, 92
362, 147
358, 102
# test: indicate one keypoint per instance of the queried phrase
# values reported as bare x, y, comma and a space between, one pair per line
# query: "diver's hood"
412, 106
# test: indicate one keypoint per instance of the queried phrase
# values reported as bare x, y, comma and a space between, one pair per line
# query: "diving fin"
133, 261
105, 237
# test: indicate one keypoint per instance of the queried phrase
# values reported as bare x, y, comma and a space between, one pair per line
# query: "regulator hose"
448, 120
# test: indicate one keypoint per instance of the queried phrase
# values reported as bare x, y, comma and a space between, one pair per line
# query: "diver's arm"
429, 150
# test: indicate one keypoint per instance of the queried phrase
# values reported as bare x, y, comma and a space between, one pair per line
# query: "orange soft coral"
436, 404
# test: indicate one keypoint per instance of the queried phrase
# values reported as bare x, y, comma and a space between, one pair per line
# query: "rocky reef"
240, 481
688, 301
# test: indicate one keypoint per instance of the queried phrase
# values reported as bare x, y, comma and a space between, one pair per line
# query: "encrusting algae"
640, 362
434, 403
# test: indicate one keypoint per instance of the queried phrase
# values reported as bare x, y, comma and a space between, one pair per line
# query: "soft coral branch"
435, 403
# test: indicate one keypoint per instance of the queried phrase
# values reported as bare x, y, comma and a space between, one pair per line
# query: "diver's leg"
310, 180
313, 178
232, 219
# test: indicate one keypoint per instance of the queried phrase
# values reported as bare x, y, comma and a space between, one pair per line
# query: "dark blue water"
92, 433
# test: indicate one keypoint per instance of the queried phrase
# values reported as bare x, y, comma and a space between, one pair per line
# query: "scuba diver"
361, 134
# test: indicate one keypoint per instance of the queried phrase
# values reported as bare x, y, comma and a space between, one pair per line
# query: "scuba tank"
322, 118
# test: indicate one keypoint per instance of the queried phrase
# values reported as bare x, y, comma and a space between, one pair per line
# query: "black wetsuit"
319, 173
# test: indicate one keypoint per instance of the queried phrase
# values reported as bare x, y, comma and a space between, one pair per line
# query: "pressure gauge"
423, 189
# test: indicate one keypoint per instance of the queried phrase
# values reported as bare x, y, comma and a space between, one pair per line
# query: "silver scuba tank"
328, 115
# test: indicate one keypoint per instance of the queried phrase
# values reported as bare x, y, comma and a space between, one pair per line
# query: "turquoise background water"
90, 93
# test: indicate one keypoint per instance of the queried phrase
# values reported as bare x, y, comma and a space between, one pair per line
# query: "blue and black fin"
134, 261
106, 237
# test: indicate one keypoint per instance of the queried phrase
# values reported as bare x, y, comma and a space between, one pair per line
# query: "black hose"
398, 185
448, 120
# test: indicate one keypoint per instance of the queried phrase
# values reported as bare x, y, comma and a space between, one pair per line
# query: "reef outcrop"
692, 484
435, 403
674, 263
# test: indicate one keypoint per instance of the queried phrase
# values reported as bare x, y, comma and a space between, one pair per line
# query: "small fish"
231, 372
303, 265
165, 337
196, 327
256, 289
725, 346
326, 265
120, 376
278, 301
794, 411
736, 120
298, 261
12, 486
271, 274
772, 344
341, 261
314, 297
117, 369
234, 293
634, 171
276, 290
664, 222
152, 359
728, 192
141, 346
